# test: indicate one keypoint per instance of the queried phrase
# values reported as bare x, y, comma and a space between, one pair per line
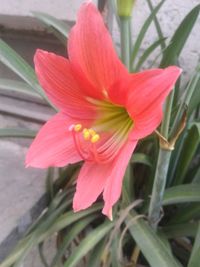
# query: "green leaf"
186, 100
195, 99
114, 252
182, 194
17, 132
128, 185
143, 31
45, 230
17, 64
147, 53
41, 254
17, 86
196, 179
194, 258
72, 234
157, 25
141, 158
88, 243
95, 255
50, 184
62, 27
180, 37
152, 246
189, 148
65, 220
180, 230
186, 213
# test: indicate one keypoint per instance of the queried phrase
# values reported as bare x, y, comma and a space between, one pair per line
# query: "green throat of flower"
108, 133
112, 118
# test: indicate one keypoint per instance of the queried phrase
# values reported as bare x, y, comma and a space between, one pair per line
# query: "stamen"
77, 127
95, 138
92, 132
86, 134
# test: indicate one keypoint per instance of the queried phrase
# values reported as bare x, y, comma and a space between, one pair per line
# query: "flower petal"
151, 89
113, 186
95, 178
57, 79
146, 123
90, 184
91, 50
53, 145
123, 88
146, 110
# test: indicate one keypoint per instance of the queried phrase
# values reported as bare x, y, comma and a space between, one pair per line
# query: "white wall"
170, 16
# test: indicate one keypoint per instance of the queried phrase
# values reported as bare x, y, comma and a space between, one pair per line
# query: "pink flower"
104, 110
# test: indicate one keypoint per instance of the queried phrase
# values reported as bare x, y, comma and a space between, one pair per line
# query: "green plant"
162, 229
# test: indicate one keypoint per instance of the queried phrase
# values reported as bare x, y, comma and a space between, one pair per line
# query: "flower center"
109, 132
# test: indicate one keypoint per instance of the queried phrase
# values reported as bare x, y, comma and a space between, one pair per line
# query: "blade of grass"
141, 158
143, 31
62, 27
17, 64
146, 238
147, 53
190, 89
96, 254
17, 86
46, 229
88, 243
194, 258
17, 132
185, 214
182, 194
157, 25
188, 151
180, 37
180, 230
72, 234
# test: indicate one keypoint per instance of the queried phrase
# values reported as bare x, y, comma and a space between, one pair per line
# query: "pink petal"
146, 123
95, 178
151, 89
91, 50
90, 184
122, 88
57, 79
145, 102
53, 145
113, 186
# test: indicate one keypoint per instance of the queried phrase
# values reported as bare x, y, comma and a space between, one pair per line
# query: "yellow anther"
92, 132
77, 127
95, 138
86, 134
85, 130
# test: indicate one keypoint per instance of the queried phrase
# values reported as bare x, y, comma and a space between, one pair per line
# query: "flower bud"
124, 7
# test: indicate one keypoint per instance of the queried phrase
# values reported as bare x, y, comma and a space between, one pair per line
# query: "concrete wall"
170, 16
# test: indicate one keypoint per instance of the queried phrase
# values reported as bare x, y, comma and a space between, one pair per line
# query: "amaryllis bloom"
103, 110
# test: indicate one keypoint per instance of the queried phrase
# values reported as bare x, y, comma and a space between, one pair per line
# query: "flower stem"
125, 57
161, 169
125, 40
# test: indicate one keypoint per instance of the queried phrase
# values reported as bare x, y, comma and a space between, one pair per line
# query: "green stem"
125, 57
161, 169
125, 40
